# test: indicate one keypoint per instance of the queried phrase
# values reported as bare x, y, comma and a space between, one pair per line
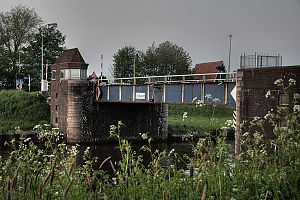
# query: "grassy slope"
23, 109
198, 118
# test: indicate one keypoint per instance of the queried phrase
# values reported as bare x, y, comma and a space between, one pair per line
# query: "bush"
22, 109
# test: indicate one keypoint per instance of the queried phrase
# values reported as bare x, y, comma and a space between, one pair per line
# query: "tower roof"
70, 56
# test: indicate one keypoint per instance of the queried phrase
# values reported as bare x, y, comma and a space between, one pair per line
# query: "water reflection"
108, 154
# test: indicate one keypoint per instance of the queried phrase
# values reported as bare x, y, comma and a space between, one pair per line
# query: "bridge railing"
186, 78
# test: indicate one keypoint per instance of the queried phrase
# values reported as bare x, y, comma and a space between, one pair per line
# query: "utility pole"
230, 36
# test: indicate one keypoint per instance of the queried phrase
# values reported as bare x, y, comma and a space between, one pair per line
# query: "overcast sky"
201, 27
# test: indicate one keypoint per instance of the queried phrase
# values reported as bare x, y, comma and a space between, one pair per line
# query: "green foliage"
22, 109
165, 59
16, 30
53, 43
33, 173
266, 168
53, 173
198, 119
124, 61
21, 33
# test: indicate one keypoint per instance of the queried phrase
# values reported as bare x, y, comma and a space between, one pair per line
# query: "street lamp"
230, 36
134, 79
44, 82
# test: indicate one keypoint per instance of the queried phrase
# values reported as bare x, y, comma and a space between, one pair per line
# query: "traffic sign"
233, 93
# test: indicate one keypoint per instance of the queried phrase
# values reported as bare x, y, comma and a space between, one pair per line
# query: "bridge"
171, 89
85, 109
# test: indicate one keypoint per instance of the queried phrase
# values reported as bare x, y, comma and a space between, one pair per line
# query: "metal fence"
260, 60
186, 78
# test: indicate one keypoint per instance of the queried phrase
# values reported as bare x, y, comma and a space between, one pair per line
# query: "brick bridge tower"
68, 86
77, 115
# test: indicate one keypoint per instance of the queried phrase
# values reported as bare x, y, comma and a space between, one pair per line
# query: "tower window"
74, 73
53, 74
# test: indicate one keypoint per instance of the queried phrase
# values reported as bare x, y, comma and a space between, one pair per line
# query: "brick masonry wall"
253, 85
137, 118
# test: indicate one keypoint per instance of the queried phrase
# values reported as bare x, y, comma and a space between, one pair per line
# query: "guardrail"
186, 78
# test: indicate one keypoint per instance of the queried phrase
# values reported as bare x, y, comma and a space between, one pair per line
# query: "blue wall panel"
191, 91
126, 93
173, 93
158, 92
114, 93
213, 91
142, 89
104, 92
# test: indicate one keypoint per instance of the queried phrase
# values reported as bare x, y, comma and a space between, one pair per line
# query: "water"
108, 153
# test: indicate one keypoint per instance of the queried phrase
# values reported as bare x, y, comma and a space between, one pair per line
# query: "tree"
16, 30
166, 59
53, 43
124, 61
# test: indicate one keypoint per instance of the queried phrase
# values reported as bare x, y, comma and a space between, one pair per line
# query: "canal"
108, 153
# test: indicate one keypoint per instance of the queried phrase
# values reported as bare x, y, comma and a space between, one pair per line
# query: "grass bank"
22, 109
189, 118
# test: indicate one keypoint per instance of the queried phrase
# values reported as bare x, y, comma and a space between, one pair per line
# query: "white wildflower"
296, 108
172, 151
144, 136
279, 82
27, 139
184, 116
292, 82
199, 103
208, 96
216, 100
268, 94
269, 115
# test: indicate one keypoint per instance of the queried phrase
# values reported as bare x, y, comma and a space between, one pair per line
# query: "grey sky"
200, 26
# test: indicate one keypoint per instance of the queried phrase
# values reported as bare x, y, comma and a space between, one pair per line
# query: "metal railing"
260, 60
186, 78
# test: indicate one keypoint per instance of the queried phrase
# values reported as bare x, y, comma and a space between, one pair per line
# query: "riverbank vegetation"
266, 168
22, 109
198, 119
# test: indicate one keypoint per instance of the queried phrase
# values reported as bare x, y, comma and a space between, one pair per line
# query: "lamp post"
134, 81
101, 70
134, 78
42, 63
230, 36
43, 82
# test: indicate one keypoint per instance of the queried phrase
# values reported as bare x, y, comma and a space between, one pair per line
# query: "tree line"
22, 33
165, 59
